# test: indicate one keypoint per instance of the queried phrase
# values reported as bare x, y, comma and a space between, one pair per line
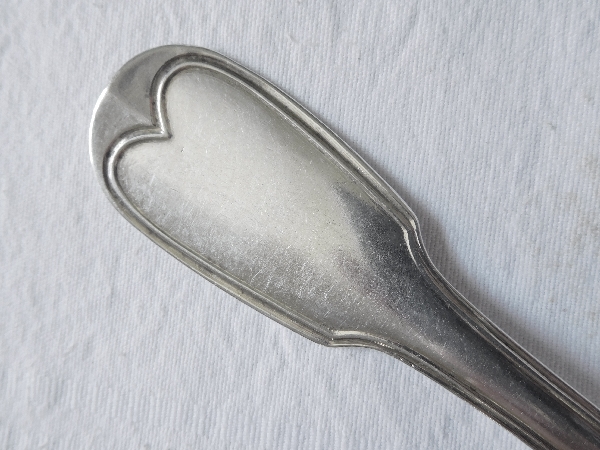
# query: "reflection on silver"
240, 183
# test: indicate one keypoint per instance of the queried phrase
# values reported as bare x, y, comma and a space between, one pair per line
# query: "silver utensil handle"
353, 272
464, 351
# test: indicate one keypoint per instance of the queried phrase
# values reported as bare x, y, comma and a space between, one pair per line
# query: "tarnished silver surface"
240, 183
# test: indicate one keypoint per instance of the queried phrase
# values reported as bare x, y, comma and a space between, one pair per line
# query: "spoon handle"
271, 206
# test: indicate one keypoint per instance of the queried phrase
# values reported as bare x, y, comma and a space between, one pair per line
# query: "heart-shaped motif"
235, 185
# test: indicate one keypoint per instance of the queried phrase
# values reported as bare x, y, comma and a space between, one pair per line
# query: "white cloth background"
484, 116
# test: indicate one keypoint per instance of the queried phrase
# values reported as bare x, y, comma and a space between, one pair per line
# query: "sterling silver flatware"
239, 182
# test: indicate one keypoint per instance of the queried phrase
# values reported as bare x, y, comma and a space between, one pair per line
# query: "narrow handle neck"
457, 346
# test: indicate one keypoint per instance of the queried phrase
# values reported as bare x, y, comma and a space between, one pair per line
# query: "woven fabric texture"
483, 115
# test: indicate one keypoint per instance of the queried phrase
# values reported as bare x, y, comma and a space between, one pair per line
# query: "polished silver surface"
239, 182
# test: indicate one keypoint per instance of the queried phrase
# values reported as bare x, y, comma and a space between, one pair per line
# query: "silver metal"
236, 180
